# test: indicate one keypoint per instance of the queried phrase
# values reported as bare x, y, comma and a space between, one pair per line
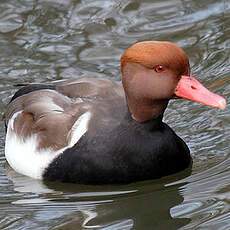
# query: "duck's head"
153, 72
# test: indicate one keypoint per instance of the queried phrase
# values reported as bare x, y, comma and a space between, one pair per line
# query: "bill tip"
222, 103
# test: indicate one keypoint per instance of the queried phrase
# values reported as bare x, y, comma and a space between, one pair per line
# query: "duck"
102, 131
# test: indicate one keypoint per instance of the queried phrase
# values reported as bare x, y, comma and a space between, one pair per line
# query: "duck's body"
82, 130
111, 146
127, 152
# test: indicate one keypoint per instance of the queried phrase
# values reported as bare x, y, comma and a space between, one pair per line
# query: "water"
44, 41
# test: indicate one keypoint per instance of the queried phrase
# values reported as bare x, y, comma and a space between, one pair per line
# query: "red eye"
159, 68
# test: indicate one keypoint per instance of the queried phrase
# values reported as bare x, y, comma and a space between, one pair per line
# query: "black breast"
129, 152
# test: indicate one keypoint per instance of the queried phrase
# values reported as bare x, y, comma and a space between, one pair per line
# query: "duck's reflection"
144, 205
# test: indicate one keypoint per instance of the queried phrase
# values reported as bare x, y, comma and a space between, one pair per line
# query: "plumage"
101, 131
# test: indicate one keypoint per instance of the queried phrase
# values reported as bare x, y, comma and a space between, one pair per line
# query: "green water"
44, 41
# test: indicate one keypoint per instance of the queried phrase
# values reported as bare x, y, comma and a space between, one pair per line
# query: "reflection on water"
47, 40
106, 207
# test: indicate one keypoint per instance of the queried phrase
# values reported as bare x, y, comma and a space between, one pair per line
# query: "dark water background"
47, 40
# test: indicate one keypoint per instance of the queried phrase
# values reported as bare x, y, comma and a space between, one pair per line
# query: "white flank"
25, 158
79, 128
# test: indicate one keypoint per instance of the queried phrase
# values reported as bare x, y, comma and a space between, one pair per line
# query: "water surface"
49, 40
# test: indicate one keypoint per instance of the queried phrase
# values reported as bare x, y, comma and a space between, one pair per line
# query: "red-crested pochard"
95, 131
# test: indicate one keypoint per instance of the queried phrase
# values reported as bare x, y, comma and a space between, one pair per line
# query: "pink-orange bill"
191, 89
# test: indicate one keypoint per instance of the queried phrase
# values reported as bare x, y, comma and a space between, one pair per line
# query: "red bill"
191, 89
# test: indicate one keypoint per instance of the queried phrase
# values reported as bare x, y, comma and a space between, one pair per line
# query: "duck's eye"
159, 68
